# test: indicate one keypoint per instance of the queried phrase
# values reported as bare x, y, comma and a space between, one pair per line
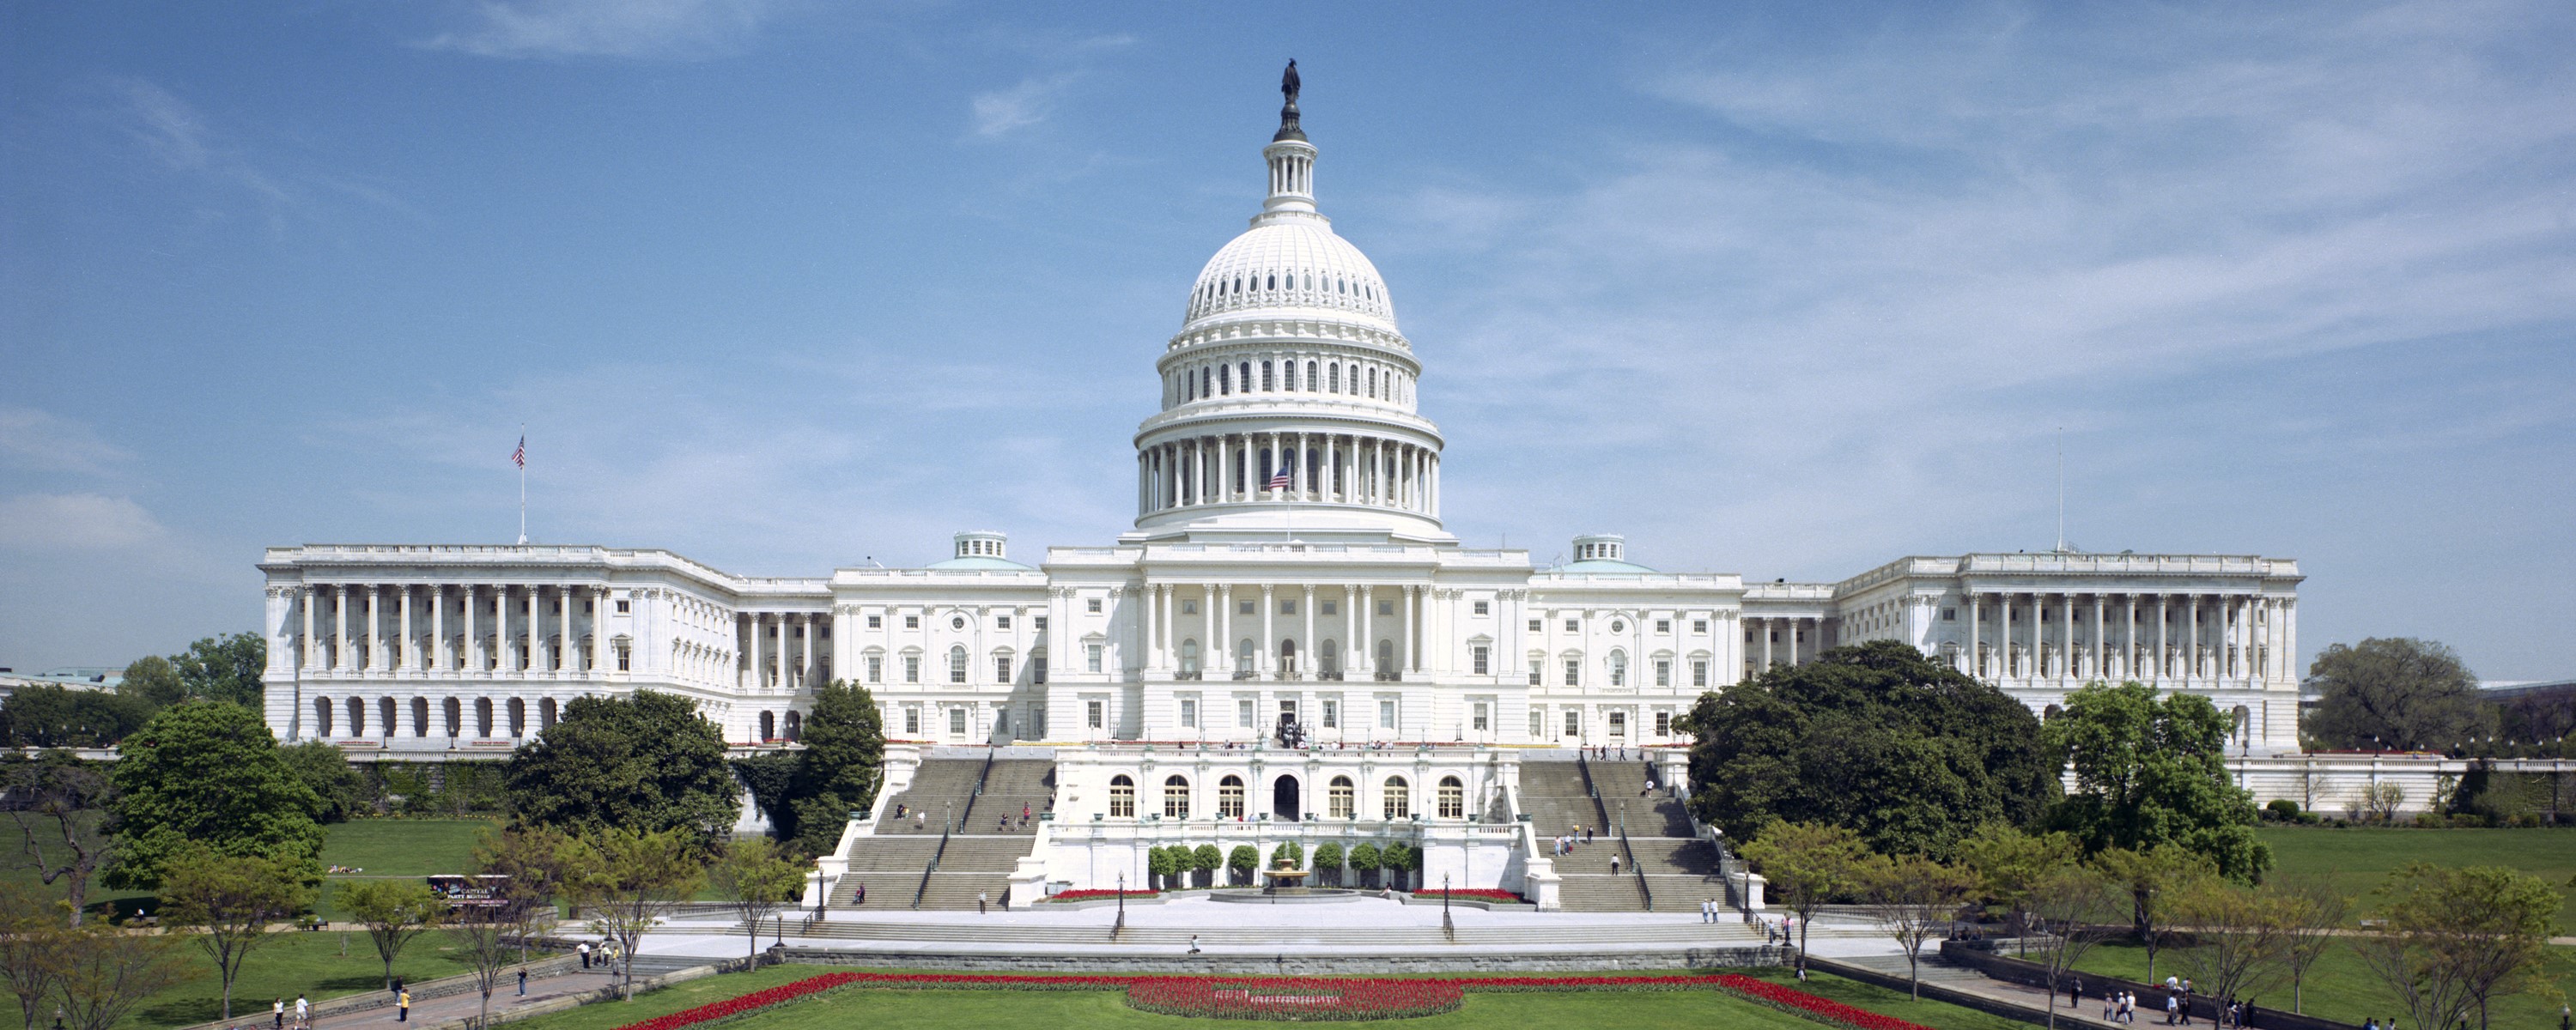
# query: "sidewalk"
433, 1011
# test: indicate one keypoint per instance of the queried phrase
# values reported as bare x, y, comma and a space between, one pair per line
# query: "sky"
1789, 290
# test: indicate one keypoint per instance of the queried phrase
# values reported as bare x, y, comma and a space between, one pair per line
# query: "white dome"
1294, 266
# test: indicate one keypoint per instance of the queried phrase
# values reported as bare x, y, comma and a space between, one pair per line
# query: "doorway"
1283, 799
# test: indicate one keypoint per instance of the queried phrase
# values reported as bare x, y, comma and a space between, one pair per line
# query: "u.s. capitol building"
1287, 571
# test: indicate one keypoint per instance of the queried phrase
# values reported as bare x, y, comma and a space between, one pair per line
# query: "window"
1573, 723
1337, 798
1095, 713
1092, 605
1386, 713
1245, 608
1949, 615
1189, 606
1663, 627
1091, 657
957, 664
1537, 626
911, 721
1287, 607
876, 668
1480, 654
621, 607
1535, 673
1229, 798
1386, 607
1572, 626
1176, 797
1189, 713
1618, 724
1699, 625
912, 622
1037, 669
1330, 608
1001, 622
1483, 722
1618, 627
1663, 672
1001, 668
957, 721
1243, 713
1484, 608
912, 668
1663, 724
1618, 669
1573, 671
876, 622
1453, 798
1699, 672
1332, 714
625, 658
1122, 791
1538, 723
1397, 802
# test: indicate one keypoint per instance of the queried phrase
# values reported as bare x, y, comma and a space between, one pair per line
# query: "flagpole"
523, 484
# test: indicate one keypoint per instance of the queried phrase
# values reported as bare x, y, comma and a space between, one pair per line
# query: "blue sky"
1788, 290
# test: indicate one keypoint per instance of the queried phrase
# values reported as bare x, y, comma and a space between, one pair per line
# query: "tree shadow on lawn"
203, 1001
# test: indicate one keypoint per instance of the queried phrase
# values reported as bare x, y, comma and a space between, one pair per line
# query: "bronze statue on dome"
1288, 83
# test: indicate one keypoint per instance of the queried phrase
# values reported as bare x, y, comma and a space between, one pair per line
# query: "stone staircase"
980, 855
1015, 786
941, 790
976, 863
1680, 871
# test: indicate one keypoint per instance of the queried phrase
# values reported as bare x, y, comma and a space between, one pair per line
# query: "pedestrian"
979, 902
1024, 813
402, 1006
1614, 865
2371, 1023
303, 1012
584, 950
523, 981
277, 1014
863, 894
921, 821
2171, 1004
1587, 835
2074, 992
1194, 944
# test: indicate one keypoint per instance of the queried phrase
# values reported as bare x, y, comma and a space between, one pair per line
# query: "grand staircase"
1660, 860
997, 936
961, 834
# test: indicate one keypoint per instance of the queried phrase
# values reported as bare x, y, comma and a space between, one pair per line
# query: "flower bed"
1472, 894
1087, 895
1300, 999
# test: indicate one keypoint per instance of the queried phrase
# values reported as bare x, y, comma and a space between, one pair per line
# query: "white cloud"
42, 441
999, 112
648, 29
181, 138
80, 522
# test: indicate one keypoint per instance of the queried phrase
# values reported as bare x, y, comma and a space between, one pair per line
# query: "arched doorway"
1283, 799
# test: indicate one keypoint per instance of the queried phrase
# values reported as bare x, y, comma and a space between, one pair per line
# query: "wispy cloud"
680, 30
182, 139
80, 522
44, 442
1000, 112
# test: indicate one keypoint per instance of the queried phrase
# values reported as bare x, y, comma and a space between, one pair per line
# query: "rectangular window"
1618, 724
912, 622
1092, 606
1189, 713
1189, 607
1663, 626
1572, 626
1699, 625
876, 622
1092, 710
876, 668
621, 607
1330, 608
1481, 655
1332, 714
957, 722
1484, 608
1037, 669
1091, 657
1001, 668
1001, 622
1949, 615
912, 668
1245, 608
1483, 720
1537, 626
624, 659
1386, 607
1699, 672
1038, 622
1535, 673
1573, 671
1243, 714
1287, 607
1663, 672
1573, 723
1386, 713
1538, 723
1663, 724
912, 722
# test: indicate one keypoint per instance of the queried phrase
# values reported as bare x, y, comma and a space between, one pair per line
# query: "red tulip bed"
1088, 895
1472, 894
1296, 999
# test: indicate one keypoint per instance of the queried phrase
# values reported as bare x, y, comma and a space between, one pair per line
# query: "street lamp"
1447, 928
1121, 925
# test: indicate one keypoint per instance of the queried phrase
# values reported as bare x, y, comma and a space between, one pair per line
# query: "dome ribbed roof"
1291, 266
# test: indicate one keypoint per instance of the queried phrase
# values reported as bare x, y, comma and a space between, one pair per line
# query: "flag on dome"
1280, 481
520, 457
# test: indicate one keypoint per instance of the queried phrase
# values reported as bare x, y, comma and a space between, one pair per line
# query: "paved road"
459, 1006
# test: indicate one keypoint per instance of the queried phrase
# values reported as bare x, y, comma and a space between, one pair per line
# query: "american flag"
520, 456
1280, 481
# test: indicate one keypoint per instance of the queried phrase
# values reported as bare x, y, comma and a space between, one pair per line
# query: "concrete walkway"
432, 1011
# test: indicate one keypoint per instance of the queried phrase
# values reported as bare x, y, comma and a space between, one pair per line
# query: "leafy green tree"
1808, 865
757, 879
51, 715
1913, 899
60, 804
32, 930
2010, 864
1905, 751
2150, 876
231, 899
770, 777
844, 754
225, 669
394, 913
2152, 770
629, 880
2455, 939
209, 776
1206, 860
1328, 863
533, 861
1242, 861
2068, 905
1159, 866
646, 762
327, 772
152, 680
1365, 858
2397, 694
1399, 859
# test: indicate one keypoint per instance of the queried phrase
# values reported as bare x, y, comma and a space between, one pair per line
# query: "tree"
2238, 936
630, 879
31, 938
1328, 863
844, 738
153, 681
645, 762
1364, 860
1207, 860
757, 880
1808, 865
2395, 694
769, 777
1159, 866
105, 972
2147, 876
51, 715
1914, 899
1905, 751
485, 938
2313, 910
209, 776
1399, 859
2010, 864
326, 771
2152, 770
60, 804
530, 863
2068, 907
394, 912
2458, 938
233, 899
227, 669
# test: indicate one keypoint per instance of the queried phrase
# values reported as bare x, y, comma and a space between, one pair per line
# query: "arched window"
357, 718
1372, 381
796, 725
1225, 380
1386, 656
1243, 651
1229, 798
322, 716
1176, 797
1310, 377
1273, 281
1269, 380
768, 726
1338, 796
385, 717
1328, 658
1288, 656
455, 713
1190, 656
518, 717
957, 663
1203, 383
1243, 374
1122, 797
1398, 800
1310, 280
1333, 379
1618, 668
1453, 798
546, 714
483, 717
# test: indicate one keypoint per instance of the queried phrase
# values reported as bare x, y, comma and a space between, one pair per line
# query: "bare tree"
2239, 936
2070, 909
2314, 910
31, 931
104, 973
60, 804
1914, 899
489, 939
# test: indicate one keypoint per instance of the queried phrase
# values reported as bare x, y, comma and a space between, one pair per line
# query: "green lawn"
2340, 987
403, 847
287, 963
982, 1010
2364, 856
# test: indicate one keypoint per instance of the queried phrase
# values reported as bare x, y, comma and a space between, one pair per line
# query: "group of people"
1709, 910
605, 955
2121, 1006
1777, 931
277, 1011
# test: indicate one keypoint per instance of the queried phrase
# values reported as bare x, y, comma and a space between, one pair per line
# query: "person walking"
523, 981
979, 903
1194, 944
2074, 992
402, 1006
584, 950
1614, 865
303, 1013
277, 1014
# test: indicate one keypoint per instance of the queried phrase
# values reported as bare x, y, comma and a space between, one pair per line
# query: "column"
777, 668
1367, 647
375, 628
340, 630
564, 653
437, 660
2191, 649
405, 638
1267, 659
1225, 628
1208, 648
2066, 635
536, 615
2003, 628
311, 645
1410, 658
1976, 637
2164, 642
599, 631
1351, 629
2098, 634
1769, 629
473, 643
1306, 643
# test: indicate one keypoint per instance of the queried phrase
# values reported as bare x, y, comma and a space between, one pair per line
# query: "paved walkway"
431, 1011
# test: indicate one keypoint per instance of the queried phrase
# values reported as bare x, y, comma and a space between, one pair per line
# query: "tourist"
2371, 1023
583, 949
277, 1014
303, 1012
898, 811
1194, 944
1614, 865
979, 903
2172, 1002
523, 981
2074, 992
402, 1006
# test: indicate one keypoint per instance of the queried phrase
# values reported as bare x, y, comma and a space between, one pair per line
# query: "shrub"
2282, 810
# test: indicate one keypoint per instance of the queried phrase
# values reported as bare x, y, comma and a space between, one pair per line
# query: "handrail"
981, 777
1633, 869
935, 856
1584, 765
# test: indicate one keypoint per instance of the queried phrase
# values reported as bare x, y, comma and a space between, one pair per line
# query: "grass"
903, 1010
2362, 857
403, 847
286, 964
2341, 987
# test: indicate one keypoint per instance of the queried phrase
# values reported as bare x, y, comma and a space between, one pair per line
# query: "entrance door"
1283, 799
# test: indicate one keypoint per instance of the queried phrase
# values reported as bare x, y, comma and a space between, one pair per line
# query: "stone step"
1003, 934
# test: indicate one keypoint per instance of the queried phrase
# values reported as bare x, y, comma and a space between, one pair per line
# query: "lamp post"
1447, 928
1121, 925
